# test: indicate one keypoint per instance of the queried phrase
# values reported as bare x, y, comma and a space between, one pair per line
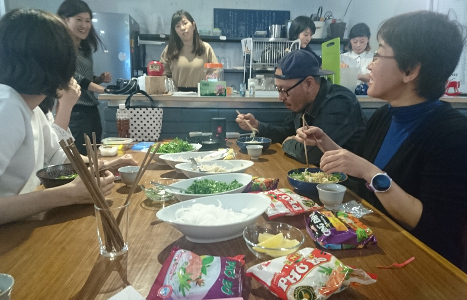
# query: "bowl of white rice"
215, 218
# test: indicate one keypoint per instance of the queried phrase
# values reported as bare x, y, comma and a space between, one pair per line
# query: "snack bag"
186, 275
308, 274
285, 202
340, 231
261, 184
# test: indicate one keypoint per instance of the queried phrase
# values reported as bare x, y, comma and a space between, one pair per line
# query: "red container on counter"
155, 68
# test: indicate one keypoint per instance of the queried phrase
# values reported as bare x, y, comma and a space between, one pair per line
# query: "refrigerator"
118, 53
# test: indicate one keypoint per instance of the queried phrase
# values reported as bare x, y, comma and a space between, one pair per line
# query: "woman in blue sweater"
412, 161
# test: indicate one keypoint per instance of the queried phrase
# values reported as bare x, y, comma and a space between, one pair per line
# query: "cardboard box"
212, 88
155, 85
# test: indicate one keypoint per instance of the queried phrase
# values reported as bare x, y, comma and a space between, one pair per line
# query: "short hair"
300, 24
429, 40
176, 44
71, 8
37, 55
359, 30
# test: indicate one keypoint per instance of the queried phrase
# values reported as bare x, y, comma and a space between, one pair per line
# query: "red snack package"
261, 184
285, 202
186, 275
308, 274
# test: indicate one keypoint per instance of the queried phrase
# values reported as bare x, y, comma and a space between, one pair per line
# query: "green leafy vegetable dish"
175, 146
316, 177
72, 176
208, 186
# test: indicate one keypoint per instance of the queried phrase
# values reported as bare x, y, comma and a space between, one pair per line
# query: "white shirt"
360, 61
17, 152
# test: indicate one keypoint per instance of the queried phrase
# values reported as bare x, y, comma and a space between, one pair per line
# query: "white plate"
231, 166
159, 161
242, 178
173, 159
217, 233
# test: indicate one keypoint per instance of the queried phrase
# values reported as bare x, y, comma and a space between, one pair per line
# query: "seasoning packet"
340, 231
285, 202
308, 274
259, 184
186, 275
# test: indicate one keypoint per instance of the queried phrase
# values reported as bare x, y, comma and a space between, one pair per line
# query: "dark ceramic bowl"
244, 141
308, 188
49, 175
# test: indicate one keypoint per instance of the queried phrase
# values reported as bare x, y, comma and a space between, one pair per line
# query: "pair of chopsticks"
305, 125
248, 123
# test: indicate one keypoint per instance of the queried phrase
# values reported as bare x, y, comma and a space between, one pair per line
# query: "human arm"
104, 77
166, 62
67, 99
276, 133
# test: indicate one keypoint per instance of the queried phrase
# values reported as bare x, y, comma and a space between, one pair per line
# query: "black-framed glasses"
376, 56
281, 90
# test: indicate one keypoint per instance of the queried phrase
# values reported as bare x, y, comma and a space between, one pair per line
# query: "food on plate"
316, 177
308, 274
340, 231
71, 176
268, 240
108, 150
175, 146
285, 202
209, 214
230, 154
209, 186
262, 184
186, 275
212, 168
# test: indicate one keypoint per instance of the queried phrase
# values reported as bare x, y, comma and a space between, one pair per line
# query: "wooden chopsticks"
305, 124
248, 123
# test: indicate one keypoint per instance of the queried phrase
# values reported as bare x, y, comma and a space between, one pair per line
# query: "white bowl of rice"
215, 218
214, 167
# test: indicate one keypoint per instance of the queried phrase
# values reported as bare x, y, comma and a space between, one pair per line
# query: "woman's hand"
69, 97
124, 160
79, 194
106, 77
311, 135
344, 65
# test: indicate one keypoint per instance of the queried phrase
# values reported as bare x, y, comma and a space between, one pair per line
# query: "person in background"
185, 55
303, 28
85, 116
302, 90
38, 58
359, 55
412, 161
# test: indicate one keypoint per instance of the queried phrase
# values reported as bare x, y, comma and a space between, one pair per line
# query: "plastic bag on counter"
259, 184
339, 231
186, 275
285, 202
355, 208
308, 274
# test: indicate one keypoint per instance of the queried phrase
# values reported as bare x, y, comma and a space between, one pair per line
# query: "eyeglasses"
376, 56
281, 90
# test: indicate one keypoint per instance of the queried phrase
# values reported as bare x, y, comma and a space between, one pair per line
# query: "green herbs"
208, 186
316, 177
175, 146
72, 176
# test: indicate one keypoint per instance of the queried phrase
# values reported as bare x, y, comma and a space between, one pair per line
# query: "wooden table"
57, 257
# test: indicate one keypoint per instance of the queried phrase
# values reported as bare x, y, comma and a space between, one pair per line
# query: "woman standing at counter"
359, 51
85, 116
412, 157
185, 55
303, 28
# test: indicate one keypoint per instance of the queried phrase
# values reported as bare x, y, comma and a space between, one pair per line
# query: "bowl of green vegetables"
56, 175
210, 185
305, 180
174, 146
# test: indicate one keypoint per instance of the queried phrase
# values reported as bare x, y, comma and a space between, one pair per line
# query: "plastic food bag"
261, 184
340, 231
285, 202
186, 275
308, 274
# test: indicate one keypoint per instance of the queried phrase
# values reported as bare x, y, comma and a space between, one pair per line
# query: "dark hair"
71, 8
37, 54
358, 30
176, 44
47, 104
300, 24
429, 40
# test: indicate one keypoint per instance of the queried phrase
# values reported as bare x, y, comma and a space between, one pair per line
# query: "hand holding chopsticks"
253, 130
318, 144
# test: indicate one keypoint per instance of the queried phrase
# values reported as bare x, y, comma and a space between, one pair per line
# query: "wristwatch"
380, 183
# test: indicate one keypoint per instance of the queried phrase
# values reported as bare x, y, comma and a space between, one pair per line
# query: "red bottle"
155, 68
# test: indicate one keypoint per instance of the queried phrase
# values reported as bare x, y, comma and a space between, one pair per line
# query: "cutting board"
330, 52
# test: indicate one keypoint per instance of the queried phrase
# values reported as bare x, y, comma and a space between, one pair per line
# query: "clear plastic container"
213, 72
123, 121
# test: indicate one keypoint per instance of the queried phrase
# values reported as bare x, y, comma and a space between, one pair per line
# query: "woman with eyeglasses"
412, 162
359, 54
303, 28
185, 55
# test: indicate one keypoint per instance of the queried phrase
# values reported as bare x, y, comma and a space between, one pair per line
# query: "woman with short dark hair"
303, 28
411, 161
359, 55
185, 55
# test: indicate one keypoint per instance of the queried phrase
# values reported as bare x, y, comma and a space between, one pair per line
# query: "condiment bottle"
123, 121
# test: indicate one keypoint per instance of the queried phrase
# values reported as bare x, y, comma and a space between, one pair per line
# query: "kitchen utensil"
275, 30
317, 16
195, 163
168, 186
287, 28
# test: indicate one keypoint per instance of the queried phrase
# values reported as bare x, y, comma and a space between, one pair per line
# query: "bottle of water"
123, 121
252, 88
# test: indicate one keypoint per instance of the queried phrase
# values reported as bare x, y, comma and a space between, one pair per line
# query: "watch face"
381, 182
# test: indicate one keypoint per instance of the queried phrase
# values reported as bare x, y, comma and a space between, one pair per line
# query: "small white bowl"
107, 150
128, 174
231, 166
243, 179
331, 195
256, 204
254, 151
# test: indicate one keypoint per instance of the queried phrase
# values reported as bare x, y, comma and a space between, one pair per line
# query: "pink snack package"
186, 275
308, 274
285, 202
